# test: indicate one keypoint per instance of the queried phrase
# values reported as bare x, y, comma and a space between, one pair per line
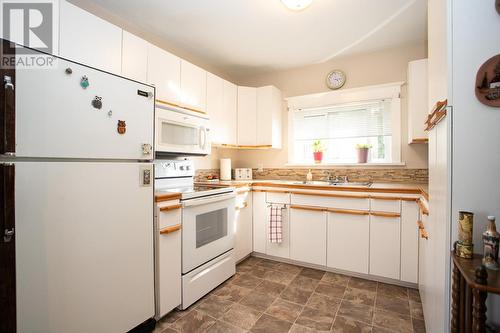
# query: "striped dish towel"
275, 224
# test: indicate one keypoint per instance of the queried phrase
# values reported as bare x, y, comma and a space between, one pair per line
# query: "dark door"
7, 250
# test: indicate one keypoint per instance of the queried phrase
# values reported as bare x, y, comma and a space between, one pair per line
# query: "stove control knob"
188, 168
181, 167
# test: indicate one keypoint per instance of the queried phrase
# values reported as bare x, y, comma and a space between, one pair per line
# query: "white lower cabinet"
347, 243
168, 258
259, 209
308, 236
243, 226
282, 249
385, 254
409, 241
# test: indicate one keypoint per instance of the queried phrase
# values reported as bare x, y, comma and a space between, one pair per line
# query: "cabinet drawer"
386, 205
343, 202
169, 214
275, 197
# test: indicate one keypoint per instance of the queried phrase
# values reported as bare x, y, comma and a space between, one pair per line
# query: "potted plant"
318, 149
363, 152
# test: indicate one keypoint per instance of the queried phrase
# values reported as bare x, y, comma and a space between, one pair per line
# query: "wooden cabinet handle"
169, 208
424, 210
420, 225
385, 214
169, 230
348, 211
244, 205
424, 234
310, 208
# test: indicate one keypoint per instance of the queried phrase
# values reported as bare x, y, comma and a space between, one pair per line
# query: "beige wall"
361, 70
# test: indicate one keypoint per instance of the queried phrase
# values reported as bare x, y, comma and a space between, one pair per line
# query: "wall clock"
488, 82
335, 79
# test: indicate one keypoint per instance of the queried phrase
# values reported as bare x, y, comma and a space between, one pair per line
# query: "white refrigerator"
76, 185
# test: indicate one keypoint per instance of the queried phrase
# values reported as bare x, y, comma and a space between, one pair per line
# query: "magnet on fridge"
69, 71
97, 102
84, 82
122, 127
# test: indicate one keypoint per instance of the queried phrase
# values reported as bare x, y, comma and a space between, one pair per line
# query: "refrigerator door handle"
7, 173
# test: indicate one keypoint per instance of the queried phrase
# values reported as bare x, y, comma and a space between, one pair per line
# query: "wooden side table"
471, 284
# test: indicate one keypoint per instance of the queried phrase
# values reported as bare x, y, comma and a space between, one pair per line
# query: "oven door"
182, 133
207, 229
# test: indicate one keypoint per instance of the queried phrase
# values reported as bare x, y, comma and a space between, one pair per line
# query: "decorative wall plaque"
488, 82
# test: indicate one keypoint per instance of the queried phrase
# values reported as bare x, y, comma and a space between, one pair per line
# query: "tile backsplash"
380, 175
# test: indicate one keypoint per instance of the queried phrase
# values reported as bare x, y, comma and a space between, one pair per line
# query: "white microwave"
181, 132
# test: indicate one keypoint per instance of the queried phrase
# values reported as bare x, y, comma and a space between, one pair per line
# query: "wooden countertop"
401, 188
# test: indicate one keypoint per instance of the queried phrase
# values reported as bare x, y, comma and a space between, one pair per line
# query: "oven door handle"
207, 200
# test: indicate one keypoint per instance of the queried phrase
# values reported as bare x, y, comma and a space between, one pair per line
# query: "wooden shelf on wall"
438, 113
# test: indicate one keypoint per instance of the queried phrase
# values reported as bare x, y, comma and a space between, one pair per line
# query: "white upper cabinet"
269, 109
193, 86
417, 100
134, 57
164, 72
221, 107
247, 116
88, 39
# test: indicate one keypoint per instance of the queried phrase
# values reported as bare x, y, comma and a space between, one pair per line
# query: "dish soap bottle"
491, 240
309, 176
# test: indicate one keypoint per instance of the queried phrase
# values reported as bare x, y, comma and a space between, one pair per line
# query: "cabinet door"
193, 86
282, 249
308, 236
134, 57
247, 116
259, 209
229, 132
417, 100
164, 72
348, 238
243, 226
168, 260
269, 108
88, 39
221, 122
385, 243
409, 241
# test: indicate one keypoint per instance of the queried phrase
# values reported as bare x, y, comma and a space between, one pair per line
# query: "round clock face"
335, 79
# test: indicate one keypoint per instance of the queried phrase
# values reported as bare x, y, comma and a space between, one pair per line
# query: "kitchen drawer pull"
348, 211
311, 208
385, 214
169, 208
244, 205
424, 210
420, 225
379, 197
169, 230
424, 234
332, 195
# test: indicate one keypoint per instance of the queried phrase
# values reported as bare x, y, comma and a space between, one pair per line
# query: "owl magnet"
122, 127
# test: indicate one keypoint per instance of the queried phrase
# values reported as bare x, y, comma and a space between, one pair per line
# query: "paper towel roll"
225, 169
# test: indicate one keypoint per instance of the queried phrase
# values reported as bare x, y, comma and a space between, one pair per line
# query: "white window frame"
389, 91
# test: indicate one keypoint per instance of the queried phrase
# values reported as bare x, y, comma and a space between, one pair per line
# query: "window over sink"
341, 121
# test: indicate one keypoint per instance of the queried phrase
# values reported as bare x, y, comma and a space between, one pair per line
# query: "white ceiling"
253, 36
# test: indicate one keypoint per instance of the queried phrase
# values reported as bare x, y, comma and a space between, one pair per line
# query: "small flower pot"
362, 155
318, 157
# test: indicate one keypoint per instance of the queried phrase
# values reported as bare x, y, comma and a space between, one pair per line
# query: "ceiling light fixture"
296, 4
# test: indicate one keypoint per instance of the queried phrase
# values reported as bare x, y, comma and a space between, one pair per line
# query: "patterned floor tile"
416, 310
270, 287
418, 326
414, 295
214, 306
360, 296
305, 283
232, 292
280, 277
316, 319
284, 310
393, 321
247, 281
267, 324
288, 268
390, 290
393, 304
296, 295
222, 327
347, 325
193, 322
358, 312
359, 283
312, 273
335, 278
258, 301
324, 303
241, 316
331, 290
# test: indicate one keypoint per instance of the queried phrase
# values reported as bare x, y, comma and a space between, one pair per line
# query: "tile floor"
273, 297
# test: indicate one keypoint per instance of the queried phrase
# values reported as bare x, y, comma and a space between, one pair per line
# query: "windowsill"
349, 165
